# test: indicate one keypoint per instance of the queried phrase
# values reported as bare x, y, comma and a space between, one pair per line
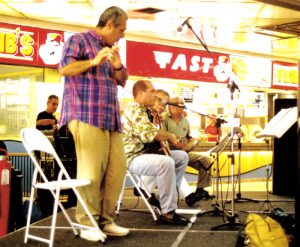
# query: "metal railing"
23, 163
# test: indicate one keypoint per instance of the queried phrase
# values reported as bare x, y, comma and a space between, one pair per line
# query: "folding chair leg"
119, 202
142, 195
54, 217
29, 216
29, 213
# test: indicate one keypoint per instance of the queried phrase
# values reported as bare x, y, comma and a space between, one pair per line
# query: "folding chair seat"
35, 140
136, 180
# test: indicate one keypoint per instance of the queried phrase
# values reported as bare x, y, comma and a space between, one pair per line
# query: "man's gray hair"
113, 13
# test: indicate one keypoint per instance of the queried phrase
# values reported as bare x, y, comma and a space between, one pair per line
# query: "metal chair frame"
136, 180
35, 140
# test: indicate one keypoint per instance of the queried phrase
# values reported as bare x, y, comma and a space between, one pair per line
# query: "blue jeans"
168, 172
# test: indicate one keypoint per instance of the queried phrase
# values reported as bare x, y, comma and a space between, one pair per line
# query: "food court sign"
29, 45
284, 75
146, 59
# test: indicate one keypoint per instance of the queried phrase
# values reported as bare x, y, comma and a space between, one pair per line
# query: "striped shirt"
91, 96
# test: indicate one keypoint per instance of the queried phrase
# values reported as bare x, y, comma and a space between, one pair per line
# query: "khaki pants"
199, 162
100, 158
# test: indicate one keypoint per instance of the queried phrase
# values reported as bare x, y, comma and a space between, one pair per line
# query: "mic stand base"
267, 205
232, 223
216, 211
239, 198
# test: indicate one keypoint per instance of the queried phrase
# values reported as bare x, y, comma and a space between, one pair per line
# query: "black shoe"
175, 219
204, 193
152, 199
194, 197
137, 193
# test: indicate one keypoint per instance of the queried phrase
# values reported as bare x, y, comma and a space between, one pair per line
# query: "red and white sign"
284, 75
144, 59
30, 46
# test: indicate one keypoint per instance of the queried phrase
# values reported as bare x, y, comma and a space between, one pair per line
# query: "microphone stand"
218, 149
232, 220
239, 197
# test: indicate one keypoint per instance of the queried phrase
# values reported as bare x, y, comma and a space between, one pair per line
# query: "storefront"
28, 61
29, 58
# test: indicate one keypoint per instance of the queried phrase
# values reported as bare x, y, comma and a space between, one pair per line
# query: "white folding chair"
35, 140
136, 180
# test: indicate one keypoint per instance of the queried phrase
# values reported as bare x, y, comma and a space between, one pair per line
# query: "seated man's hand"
181, 146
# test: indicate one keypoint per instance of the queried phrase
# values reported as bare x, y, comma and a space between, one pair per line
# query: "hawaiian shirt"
137, 130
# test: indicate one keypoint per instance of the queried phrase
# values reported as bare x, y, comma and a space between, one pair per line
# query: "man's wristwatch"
118, 69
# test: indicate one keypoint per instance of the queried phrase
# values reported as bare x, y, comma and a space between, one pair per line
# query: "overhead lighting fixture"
149, 10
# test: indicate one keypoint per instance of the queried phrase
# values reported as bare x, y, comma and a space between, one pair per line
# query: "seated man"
162, 97
178, 124
145, 158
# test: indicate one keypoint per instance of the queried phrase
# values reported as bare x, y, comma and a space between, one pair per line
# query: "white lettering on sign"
206, 64
194, 65
180, 62
162, 58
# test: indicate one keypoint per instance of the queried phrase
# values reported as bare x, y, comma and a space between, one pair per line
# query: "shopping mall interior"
235, 60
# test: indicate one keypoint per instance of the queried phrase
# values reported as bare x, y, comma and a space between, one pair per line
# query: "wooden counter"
252, 156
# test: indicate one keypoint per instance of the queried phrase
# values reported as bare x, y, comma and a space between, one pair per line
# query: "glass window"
23, 94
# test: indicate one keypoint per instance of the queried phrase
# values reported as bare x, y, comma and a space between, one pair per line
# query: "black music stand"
239, 197
216, 211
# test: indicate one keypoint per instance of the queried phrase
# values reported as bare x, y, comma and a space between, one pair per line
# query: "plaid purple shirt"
90, 97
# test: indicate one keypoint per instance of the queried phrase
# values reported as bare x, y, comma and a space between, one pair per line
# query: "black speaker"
285, 155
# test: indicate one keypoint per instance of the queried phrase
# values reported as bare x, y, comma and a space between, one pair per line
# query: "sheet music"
280, 123
220, 146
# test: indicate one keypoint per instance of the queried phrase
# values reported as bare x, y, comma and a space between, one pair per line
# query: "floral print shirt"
138, 130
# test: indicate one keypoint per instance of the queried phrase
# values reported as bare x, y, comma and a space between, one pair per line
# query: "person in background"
45, 119
144, 157
178, 124
92, 67
213, 133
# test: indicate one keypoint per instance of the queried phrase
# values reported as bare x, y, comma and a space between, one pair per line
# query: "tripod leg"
231, 223
215, 211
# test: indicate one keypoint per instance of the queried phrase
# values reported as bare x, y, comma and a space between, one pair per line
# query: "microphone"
177, 105
179, 29
238, 131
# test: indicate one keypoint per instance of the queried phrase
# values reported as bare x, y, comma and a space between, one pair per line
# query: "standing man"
93, 69
45, 119
146, 158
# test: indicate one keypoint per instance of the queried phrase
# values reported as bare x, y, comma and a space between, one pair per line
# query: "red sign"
30, 46
144, 59
284, 75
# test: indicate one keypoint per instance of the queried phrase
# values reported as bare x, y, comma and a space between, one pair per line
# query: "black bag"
36, 212
153, 148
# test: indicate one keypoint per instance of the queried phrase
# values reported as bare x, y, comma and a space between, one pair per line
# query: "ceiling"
268, 28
